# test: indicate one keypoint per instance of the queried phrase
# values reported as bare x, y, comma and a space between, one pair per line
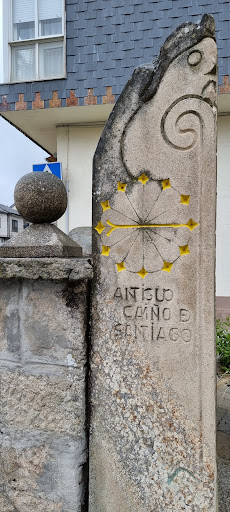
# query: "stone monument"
153, 383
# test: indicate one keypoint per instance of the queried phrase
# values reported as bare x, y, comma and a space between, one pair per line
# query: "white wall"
3, 225
223, 208
75, 149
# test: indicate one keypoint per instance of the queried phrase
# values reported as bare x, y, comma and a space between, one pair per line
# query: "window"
37, 40
15, 226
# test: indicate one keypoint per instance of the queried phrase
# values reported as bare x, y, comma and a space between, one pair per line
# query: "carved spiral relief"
182, 124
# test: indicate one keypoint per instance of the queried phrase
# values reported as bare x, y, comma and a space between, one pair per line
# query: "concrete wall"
43, 360
75, 149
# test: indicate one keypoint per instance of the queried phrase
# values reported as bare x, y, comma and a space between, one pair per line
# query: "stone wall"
43, 362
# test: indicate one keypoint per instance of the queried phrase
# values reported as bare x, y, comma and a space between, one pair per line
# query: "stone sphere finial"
40, 197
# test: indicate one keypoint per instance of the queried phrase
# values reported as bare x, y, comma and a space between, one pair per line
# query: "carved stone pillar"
153, 342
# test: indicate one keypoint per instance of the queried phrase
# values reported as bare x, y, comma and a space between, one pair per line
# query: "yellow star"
184, 249
142, 273
167, 266
105, 205
100, 227
166, 184
191, 224
143, 178
105, 250
121, 186
120, 266
184, 199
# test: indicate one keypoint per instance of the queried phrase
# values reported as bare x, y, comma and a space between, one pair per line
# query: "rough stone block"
9, 321
38, 472
53, 321
153, 360
44, 402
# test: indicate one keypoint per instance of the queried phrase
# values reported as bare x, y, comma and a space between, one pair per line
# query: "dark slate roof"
7, 209
107, 39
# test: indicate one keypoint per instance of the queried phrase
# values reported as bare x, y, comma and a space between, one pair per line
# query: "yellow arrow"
191, 224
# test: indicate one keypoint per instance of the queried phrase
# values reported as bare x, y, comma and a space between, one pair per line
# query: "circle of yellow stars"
167, 266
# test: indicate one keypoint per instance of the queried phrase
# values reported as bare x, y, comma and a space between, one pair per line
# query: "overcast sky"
17, 155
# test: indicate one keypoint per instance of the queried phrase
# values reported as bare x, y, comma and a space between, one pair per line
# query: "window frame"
14, 224
35, 42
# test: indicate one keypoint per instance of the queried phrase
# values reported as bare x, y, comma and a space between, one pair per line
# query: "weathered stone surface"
38, 472
44, 402
9, 321
83, 236
49, 337
41, 241
223, 441
153, 345
45, 268
223, 484
43, 363
40, 197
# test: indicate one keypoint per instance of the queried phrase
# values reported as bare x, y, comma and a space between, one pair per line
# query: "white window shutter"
23, 12
50, 59
49, 10
23, 63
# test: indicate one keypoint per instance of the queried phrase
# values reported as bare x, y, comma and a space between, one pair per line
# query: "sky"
17, 155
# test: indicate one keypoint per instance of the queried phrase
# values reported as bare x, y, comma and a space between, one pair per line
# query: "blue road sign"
54, 168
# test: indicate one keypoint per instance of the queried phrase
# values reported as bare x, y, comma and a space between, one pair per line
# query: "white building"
10, 223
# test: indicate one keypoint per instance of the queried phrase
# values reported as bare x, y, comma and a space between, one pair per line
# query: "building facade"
63, 64
10, 223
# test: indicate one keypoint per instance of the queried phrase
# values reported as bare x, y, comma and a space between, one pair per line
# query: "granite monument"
152, 440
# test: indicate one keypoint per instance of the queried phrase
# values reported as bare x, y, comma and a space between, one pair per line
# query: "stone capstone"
40, 197
41, 241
